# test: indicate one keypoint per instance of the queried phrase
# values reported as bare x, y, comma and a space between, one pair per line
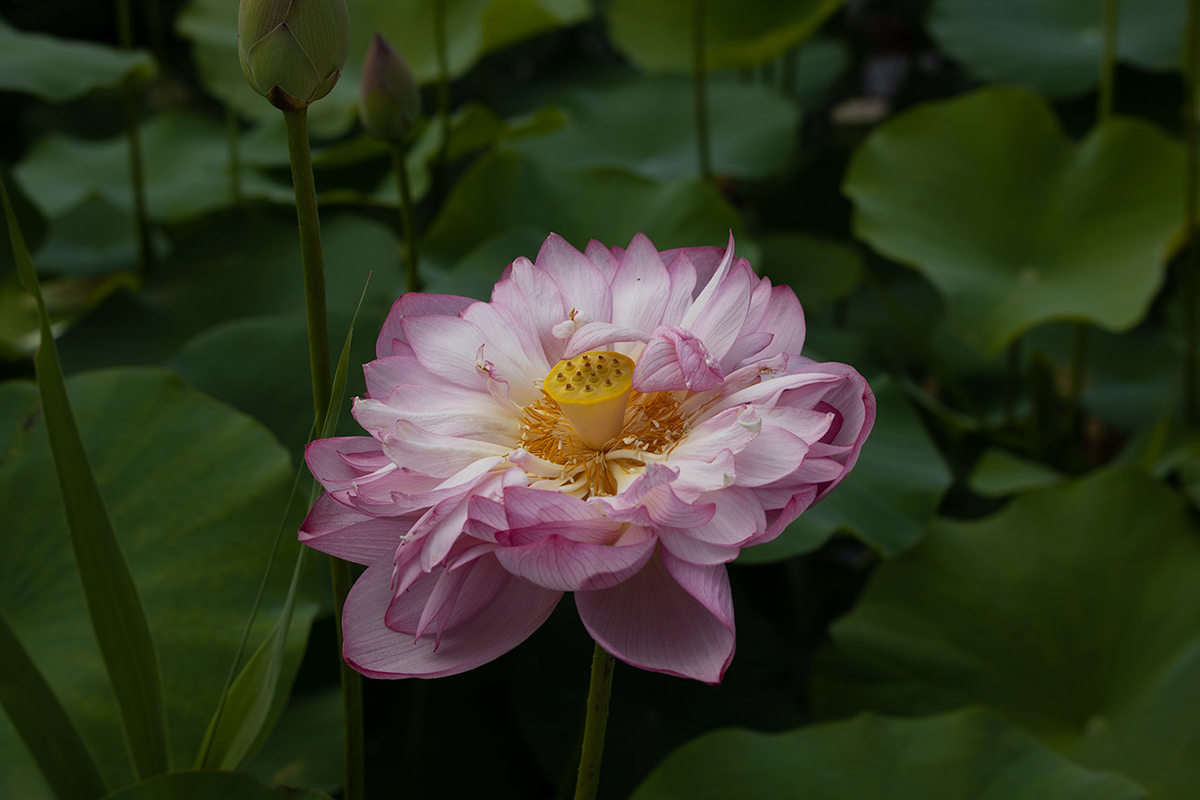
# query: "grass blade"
113, 601
44, 725
240, 720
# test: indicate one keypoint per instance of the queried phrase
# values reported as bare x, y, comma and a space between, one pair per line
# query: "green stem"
1108, 63
442, 163
1012, 383
407, 217
352, 703
136, 173
312, 259
233, 136
599, 691
1191, 280
699, 81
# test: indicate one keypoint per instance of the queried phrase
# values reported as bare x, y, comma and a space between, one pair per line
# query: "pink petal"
532, 294
439, 408
676, 619
650, 501
324, 459
683, 284
583, 284
675, 360
436, 455
383, 375
682, 544
351, 535
603, 258
412, 304
556, 562
640, 287
516, 611
602, 335
784, 319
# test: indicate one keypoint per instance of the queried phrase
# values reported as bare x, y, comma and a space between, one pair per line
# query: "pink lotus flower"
617, 425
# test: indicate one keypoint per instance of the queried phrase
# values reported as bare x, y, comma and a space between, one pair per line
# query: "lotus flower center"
593, 424
592, 389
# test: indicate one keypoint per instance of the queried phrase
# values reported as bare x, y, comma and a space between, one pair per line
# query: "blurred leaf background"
982, 205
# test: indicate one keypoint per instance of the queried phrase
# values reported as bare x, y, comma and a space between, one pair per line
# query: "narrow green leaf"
47, 730
114, 603
240, 722
209, 785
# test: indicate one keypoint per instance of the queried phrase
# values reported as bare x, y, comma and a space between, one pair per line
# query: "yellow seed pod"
592, 390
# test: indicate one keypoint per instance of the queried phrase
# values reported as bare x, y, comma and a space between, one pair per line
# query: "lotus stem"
442, 165
1012, 383
353, 776
699, 78
407, 217
1104, 110
1108, 63
1191, 280
599, 692
233, 137
312, 259
136, 173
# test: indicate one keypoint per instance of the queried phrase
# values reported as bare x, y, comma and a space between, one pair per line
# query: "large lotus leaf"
474, 28
207, 785
305, 748
505, 190
1072, 612
196, 492
61, 172
232, 266
59, 70
656, 35
1055, 47
1013, 223
647, 126
889, 497
970, 754
820, 271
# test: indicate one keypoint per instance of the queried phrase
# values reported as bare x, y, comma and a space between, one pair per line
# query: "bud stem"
136, 175
699, 83
407, 217
312, 259
318, 355
442, 163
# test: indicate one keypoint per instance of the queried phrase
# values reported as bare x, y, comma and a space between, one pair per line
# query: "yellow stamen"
594, 395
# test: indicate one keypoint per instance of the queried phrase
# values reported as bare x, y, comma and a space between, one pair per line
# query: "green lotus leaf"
1071, 612
1055, 47
196, 492
1011, 221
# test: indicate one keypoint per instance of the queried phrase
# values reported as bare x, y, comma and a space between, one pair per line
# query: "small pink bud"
389, 100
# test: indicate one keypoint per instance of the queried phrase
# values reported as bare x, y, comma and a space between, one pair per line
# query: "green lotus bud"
389, 100
292, 51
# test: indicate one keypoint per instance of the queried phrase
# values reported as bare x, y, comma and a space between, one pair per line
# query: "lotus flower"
617, 425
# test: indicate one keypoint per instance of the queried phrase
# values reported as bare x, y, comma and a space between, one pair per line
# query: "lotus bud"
389, 102
292, 51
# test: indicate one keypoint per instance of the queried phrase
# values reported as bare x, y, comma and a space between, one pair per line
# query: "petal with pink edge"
641, 287
351, 535
517, 610
678, 621
674, 360
556, 562
412, 304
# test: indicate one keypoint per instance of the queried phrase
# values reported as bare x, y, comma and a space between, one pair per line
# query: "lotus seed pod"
389, 100
292, 51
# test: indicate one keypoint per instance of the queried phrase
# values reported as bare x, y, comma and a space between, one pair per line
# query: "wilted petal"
673, 360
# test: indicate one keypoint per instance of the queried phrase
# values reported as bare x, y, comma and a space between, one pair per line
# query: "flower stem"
1108, 63
233, 136
442, 163
699, 78
412, 276
1191, 279
136, 174
354, 752
1104, 107
312, 259
599, 691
